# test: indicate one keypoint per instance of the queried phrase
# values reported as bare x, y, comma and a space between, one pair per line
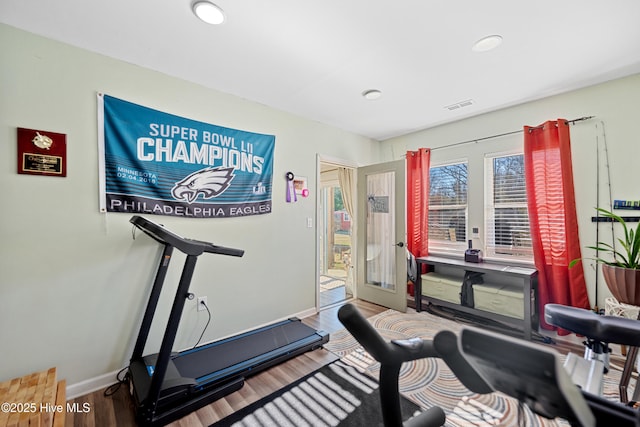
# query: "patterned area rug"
336, 395
429, 382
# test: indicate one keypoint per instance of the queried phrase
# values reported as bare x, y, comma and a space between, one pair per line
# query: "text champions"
169, 143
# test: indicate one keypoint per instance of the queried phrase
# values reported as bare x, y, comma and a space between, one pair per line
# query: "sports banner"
157, 163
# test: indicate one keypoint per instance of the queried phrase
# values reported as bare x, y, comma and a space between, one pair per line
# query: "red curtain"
552, 215
418, 201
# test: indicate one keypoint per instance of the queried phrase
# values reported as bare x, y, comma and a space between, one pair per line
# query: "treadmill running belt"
209, 359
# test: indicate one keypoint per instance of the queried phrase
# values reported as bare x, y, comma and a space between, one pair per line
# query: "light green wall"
614, 105
73, 282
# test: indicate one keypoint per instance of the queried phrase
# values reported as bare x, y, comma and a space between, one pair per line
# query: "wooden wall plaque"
41, 152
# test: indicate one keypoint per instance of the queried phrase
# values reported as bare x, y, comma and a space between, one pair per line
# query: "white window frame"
520, 251
448, 247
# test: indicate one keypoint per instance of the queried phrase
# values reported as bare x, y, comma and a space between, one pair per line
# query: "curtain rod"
503, 134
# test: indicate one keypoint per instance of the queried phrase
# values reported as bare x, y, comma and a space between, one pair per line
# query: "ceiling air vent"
459, 105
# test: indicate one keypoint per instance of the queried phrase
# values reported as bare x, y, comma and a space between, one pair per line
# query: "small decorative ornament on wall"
42, 152
291, 191
300, 184
296, 186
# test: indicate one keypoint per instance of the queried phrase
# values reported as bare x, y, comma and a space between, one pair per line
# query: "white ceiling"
315, 58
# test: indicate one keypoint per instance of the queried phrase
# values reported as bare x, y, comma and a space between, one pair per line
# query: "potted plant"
622, 274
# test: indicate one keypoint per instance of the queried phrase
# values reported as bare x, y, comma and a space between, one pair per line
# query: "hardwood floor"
117, 410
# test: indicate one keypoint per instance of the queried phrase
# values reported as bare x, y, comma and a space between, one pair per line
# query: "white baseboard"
103, 381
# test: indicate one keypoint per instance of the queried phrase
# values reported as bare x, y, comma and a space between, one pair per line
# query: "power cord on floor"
205, 326
113, 388
123, 375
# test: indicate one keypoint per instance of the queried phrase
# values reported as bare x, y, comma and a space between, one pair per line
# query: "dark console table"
521, 276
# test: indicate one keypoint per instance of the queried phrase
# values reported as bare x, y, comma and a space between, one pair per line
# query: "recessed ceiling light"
372, 94
208, 12
487, 43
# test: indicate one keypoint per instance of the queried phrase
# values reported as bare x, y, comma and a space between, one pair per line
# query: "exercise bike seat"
609, 329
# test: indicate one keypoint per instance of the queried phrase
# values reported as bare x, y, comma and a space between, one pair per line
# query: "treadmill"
169, 385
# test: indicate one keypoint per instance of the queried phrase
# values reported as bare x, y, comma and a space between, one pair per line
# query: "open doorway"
335, 234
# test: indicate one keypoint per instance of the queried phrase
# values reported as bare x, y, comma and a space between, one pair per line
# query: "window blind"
507, 220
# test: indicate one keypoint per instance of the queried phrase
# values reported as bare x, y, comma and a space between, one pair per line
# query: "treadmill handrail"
187, 246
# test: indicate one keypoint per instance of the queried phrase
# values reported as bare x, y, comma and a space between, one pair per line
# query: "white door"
381, 252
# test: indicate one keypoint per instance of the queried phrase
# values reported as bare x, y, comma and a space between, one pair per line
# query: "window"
448, 208
507, 219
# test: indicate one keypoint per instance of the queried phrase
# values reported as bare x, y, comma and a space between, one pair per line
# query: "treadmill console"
187, 246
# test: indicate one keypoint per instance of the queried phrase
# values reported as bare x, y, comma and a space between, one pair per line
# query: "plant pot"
624, 283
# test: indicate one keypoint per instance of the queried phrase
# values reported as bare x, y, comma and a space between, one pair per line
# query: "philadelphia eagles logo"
210, 182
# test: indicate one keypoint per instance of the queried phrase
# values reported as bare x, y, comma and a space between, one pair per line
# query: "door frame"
321, 158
